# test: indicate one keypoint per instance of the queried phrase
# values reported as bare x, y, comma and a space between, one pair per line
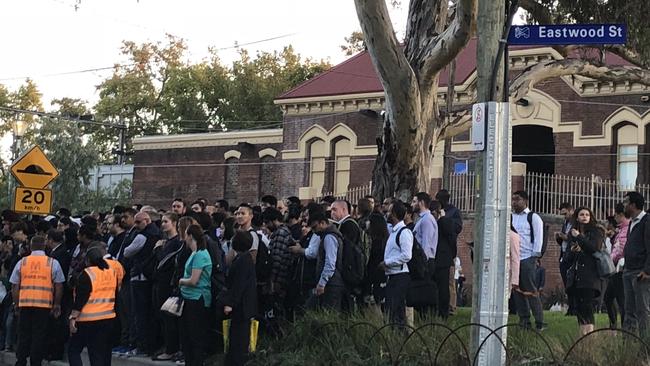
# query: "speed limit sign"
33, 201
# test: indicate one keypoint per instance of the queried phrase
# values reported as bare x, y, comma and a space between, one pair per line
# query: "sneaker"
118, 350
129, 352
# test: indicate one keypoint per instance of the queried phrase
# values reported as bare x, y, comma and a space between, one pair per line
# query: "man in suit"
636, 276
58, 327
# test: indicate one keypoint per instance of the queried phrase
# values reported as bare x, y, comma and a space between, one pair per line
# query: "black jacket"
637, 248
350, 230
446, 250
586, 274
116, 244
63, 256
144, 262
241, 283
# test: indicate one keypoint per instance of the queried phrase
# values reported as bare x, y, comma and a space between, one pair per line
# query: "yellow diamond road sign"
34, 169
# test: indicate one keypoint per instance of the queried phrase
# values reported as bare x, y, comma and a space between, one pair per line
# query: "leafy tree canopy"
158, 91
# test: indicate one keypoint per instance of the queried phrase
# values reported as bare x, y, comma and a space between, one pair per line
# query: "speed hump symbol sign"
33, 201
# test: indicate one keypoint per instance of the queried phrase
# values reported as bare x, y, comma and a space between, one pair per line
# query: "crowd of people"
586, 248
158, 282
105, 281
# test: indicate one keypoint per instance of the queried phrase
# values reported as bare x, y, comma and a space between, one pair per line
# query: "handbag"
604, 264
173, 306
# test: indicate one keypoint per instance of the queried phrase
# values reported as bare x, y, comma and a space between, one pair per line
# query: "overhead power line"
104, 68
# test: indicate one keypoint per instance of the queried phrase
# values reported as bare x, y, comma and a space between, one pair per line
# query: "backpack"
418, 264
546, 229
263, 262
353, 262
218, 275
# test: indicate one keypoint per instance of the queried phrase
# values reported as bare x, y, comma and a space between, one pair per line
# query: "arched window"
627, 156
317, 155
268, 174
232, 180
342, 150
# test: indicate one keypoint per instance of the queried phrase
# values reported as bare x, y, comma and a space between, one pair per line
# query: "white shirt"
457, 268
520, 222
396, 256
636, 220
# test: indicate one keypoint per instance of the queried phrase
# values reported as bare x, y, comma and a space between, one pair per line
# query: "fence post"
592, 192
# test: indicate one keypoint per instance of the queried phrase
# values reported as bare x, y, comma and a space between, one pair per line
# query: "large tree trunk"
409, 76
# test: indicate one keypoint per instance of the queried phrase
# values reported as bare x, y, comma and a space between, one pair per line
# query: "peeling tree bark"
550, 69
409, 76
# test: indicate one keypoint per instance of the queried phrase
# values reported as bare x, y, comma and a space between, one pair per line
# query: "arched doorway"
535, 146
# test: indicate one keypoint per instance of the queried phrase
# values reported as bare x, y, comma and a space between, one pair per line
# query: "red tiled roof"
357, 75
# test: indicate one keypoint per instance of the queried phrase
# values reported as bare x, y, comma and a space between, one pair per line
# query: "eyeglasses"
137, 221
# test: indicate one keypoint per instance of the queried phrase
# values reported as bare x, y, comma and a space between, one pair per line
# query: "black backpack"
353, 262
546, 229
418, 263
263, 263
218, 275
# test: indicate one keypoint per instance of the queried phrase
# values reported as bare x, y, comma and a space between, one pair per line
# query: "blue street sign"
567, 34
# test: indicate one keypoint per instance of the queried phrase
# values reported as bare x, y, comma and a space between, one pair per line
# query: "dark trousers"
126, 315
239, 340
530, 300
331, 299
141, 299
194, 331
32, 336
168, 323
57, 335
97, 337
613, 293
441, 278
396, 287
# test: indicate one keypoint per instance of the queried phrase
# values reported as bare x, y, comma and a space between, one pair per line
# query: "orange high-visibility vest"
101, 303
119, 270
36, 287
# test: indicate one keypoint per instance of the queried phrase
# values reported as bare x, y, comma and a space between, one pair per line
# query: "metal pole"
493, 238
492, 246
122, 150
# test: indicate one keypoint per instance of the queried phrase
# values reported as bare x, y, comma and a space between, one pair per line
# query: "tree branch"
441, 50
393, 67
628, 55
395, 73
550, 69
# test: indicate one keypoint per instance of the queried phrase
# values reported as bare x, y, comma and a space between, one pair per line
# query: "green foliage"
157, 91
331, 339
102, 199
64, 145
26, 96
353, 44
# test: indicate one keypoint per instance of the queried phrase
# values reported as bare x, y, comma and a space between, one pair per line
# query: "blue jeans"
637, 303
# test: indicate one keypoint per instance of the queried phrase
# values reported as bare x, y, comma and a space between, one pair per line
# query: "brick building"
566, 126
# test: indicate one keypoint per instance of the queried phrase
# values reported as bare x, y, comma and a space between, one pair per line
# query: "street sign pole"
493, 239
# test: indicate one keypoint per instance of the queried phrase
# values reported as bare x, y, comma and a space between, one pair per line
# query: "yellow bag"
252, 345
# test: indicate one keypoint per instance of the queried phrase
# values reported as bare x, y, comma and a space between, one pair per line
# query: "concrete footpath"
9, 358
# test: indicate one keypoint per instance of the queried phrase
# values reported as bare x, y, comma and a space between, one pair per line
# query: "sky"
45, 37
42, 38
